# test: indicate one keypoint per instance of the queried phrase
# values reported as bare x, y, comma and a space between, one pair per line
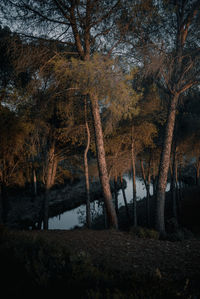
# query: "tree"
163, 37
132, 135
13, 133
86, 169
190, 116
82, 25
173, 58
47, 105
142, 128
14, 130
99, 78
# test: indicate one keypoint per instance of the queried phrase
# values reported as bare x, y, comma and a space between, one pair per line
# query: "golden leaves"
99, 77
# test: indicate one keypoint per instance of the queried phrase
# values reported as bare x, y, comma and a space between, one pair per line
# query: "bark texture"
87, 181
103, 174
198, 171
147, 182
124, 197
50, 165
174, 182
164, 165
133, 158
34, 182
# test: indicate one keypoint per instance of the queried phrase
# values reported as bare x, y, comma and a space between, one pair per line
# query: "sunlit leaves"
100, 78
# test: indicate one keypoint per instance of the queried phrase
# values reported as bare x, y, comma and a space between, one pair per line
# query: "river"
76, 217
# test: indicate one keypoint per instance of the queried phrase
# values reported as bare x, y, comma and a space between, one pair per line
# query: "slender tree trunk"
54, 170
4, 195
29, 174
164, 166
124, 197
197, 172
180, 183
173, 182
148, 193
154, 179
116, 196
50, 162
87, 181
1, 205
147, 185
105, 216
34, 182
171, 174
101, 159
179, 189
148, 199
133, 158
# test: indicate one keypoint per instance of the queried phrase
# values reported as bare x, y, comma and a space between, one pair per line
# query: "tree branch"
106, 15
46, 40
188, 85
60, 6
44, 17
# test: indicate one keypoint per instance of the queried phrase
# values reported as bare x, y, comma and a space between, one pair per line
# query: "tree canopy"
120, 78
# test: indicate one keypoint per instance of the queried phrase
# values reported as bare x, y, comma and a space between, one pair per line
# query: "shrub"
33, 259
37, 266
179, 235
144, 233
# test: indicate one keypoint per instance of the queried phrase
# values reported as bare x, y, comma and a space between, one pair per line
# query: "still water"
76, 217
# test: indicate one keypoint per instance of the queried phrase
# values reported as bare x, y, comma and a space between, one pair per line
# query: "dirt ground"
121, 251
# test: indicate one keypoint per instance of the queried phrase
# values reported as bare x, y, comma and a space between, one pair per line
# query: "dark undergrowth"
31, 266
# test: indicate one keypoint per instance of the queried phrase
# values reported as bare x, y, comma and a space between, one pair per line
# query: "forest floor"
123, 251
105, 263
164, 264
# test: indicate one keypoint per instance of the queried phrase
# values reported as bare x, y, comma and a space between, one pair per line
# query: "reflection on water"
66, 220
75, 217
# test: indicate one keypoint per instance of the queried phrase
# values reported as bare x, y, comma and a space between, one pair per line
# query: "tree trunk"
148, 201
147, 185
54, 170
171, 174
1, 205
34, 182
87, 181
164, 166
103, 174
116, 196
197, 172
148, 193
174, 183
154, 180
180, 185
4, 195
134, 177
50, 162
124, 197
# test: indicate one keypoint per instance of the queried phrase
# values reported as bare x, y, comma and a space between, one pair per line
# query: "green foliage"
99, 78
14, 131
144, 233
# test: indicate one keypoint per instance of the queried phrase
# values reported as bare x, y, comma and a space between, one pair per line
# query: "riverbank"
98, 264
26, 211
